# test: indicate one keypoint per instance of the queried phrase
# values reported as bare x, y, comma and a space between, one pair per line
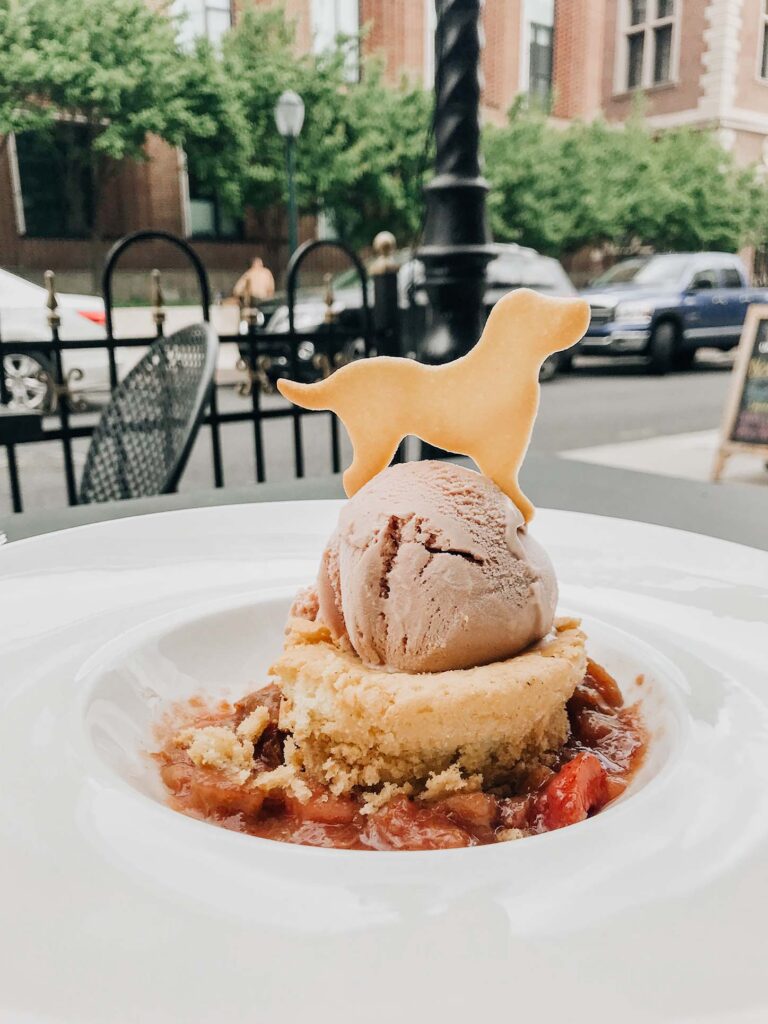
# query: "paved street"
600, 403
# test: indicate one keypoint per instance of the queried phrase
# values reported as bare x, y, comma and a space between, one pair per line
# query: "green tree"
373, 179
112, 66
19, 70
360, 154
218, 140
558, 189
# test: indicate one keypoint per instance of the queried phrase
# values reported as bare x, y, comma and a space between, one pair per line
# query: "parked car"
666, 307
513, 267
29, 376
23, 317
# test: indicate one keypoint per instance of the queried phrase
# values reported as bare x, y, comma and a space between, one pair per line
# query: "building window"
648, 30
334, 18
208, 218
540, 63
764, 42
55, 180
209, 18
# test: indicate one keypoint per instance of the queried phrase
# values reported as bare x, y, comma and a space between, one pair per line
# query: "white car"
24, 317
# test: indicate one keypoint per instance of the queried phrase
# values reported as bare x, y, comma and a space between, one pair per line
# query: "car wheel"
661, 347
549, 367
565, 362
29, 382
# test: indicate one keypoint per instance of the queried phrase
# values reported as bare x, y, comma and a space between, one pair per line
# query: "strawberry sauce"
606, 747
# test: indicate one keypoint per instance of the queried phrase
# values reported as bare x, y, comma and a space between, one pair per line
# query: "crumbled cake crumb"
563, 622
373, 800
450, 781
215, 746
284, 777
358, 728
507, 835
252, 727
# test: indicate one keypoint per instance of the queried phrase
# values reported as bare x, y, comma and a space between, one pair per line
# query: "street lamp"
289, 117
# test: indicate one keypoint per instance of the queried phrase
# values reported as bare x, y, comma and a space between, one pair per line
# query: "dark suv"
666, 307
513, 267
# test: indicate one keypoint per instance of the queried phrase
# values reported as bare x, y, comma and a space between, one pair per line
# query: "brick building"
692, 62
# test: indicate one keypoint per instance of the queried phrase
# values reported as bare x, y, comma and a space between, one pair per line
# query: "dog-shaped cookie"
482, 405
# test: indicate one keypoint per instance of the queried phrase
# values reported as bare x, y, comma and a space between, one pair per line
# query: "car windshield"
509, 270
647, 270
518, 270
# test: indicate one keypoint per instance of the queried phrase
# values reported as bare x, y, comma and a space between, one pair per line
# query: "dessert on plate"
427, 695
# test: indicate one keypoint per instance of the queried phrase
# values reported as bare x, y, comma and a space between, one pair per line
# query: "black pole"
457, 243
293, 213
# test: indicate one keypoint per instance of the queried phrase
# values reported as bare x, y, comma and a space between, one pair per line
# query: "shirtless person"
257, 281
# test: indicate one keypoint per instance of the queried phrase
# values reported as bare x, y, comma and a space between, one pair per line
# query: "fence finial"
54, 320
158, 313
384, 245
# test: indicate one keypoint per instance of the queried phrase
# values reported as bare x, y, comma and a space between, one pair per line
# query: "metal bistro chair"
145, 435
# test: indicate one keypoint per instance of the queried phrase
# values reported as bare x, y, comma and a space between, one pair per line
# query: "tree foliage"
118, 68
19, 72
111, 64
360, 155
558, 189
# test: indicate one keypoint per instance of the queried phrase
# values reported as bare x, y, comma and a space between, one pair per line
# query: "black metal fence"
296, 349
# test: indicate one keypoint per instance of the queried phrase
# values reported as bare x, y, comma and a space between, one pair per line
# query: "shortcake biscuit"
355, 726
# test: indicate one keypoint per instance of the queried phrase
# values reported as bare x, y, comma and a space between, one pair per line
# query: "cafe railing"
265, 354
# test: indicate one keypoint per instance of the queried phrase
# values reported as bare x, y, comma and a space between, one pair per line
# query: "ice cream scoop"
431, 568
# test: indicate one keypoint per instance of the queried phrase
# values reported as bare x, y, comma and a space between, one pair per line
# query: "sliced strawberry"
476, 811
323, 807
210, 791
404, 825
578, 788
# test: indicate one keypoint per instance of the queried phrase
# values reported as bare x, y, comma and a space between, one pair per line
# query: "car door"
735, 299
703, 318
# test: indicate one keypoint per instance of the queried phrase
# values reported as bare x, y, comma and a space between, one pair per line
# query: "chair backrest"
143, 439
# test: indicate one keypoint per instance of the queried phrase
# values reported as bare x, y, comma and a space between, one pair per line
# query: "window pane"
191, 14
635, 45
637, 10
731, 278
662, 57
56, 182
202, 218
330, 19
540, 62
764, 61
217, 23
665, 8
704, 279
229, 225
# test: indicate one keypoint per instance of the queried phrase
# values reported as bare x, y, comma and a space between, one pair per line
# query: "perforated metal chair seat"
145, 435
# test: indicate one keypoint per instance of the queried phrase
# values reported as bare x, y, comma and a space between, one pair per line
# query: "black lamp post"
289, 118
456, 242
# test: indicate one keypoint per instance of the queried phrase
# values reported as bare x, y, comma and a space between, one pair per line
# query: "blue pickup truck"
665, 307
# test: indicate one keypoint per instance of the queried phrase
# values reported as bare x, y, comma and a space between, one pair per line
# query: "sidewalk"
689, 456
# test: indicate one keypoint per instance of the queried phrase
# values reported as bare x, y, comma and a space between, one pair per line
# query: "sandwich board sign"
745, 421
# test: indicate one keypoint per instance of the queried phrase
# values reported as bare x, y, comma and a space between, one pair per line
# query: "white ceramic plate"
114, 908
